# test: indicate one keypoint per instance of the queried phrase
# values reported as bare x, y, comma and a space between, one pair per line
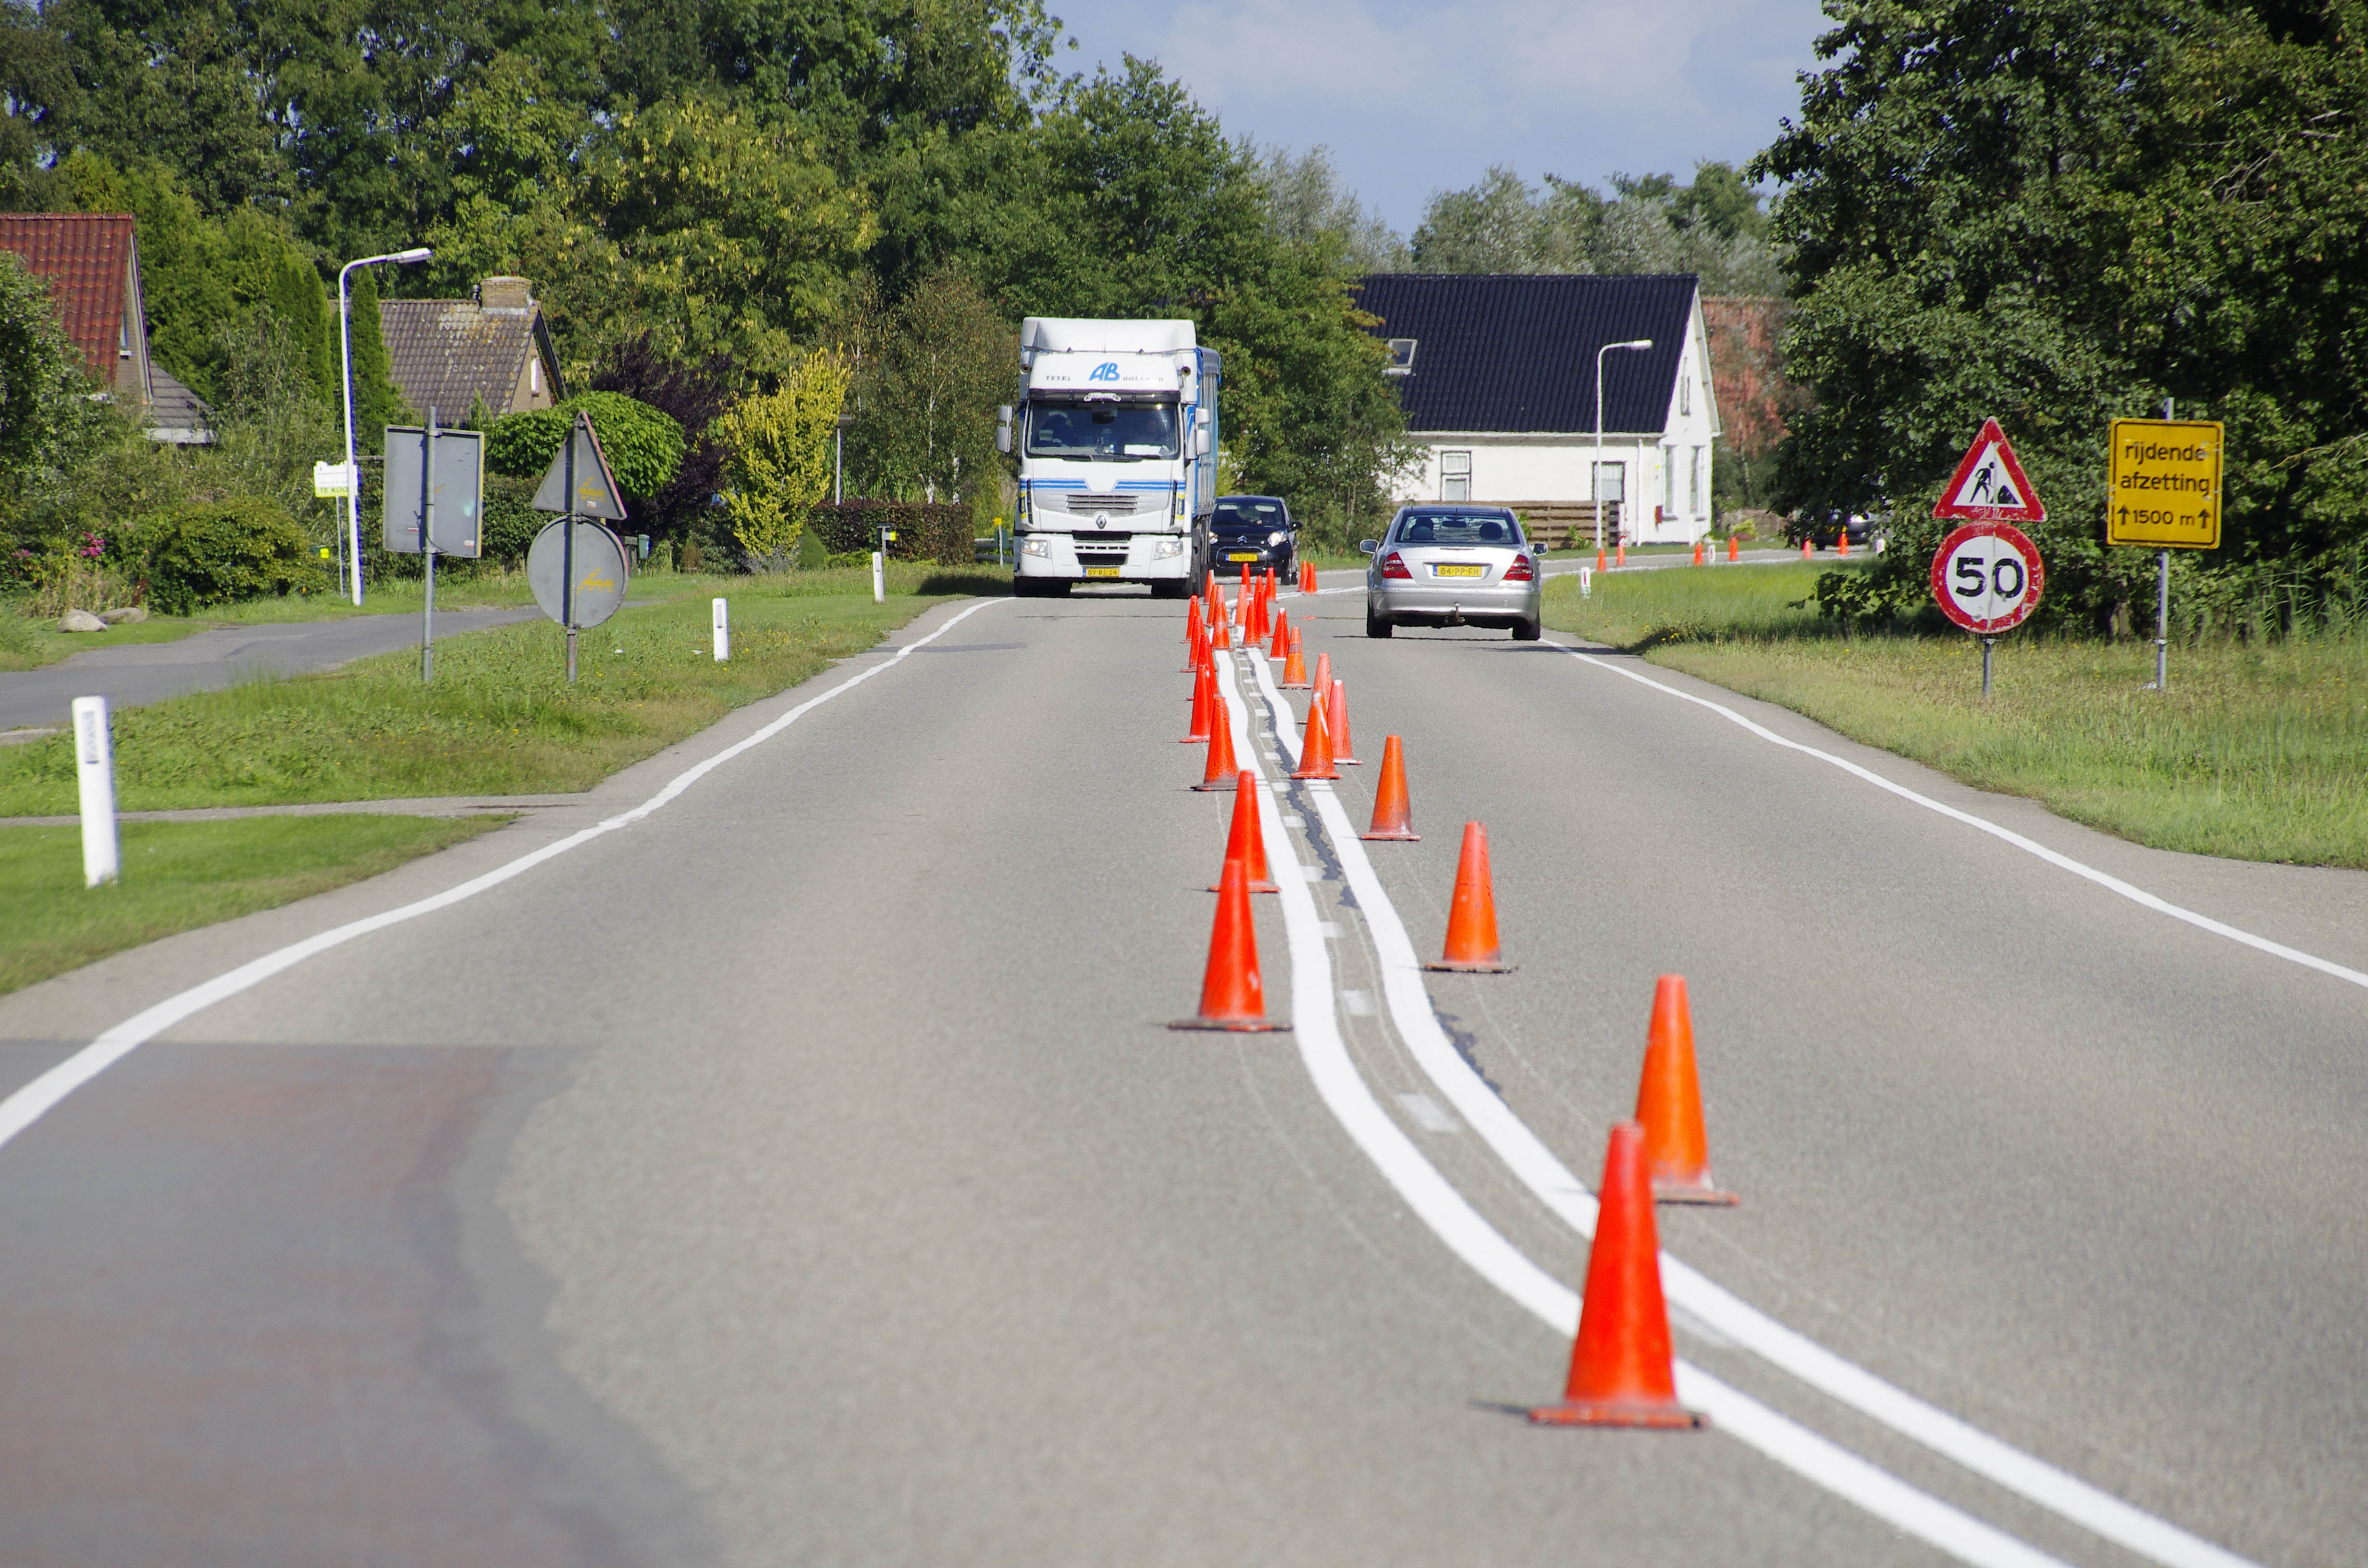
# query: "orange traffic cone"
1204, 695
1472, 917
1669, 1104
1336, 725
1734, 547
1220, 637
1315, 747
1623, 1371
1393, 819
1698, 552
1307, 576
1192, 622
1623, 555
1281, 646
1232, 996
1599, 558
1841, 540
1222, 766
1323, 684
1804, 549
1246, 842
1294, 665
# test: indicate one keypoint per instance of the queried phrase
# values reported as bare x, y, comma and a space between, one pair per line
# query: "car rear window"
1457, 528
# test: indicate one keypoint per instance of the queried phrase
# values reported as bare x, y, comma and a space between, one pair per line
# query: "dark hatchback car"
1254, 531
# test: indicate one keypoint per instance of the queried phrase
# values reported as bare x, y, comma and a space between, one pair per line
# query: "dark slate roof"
448, 353
179, 415
86, 258
1517, 352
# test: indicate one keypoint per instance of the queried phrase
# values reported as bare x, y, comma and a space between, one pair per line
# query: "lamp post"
1598, 487
353, 476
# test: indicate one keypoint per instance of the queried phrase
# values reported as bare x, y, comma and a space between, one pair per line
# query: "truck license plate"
1101, 571
1459, 571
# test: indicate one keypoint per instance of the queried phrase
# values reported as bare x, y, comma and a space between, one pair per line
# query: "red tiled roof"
84, 259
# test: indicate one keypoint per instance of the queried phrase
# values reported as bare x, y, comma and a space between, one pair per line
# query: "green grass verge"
2258, 752
184, 874
500, 717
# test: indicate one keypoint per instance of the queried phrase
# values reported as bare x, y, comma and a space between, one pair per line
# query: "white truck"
1116, 436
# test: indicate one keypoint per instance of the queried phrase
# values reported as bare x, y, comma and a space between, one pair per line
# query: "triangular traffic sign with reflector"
1990, 487
597, 494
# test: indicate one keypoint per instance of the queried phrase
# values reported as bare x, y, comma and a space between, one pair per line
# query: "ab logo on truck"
1104, 372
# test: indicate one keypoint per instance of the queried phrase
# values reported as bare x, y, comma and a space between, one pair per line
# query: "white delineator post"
723, 629
879, 577
102, 860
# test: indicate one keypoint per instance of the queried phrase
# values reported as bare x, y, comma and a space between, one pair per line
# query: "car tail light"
1393, 567
1518, 572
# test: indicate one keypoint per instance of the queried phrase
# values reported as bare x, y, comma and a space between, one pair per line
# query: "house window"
1455, 476
1685, 394
1401, 358
1668, 482
534, 377
1694, 484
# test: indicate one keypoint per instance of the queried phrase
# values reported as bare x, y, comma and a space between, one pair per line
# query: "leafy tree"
376, 404
1711, 228
929, 375
2062, 211
780, 447
692, 395
1306, 203
46, 412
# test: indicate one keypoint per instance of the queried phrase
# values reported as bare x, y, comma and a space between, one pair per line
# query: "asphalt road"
800, 1174
131, 674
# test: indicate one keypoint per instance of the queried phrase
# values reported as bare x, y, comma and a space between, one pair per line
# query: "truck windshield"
1104, 432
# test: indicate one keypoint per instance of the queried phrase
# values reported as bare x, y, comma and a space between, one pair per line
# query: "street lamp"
1598, 487
353, 476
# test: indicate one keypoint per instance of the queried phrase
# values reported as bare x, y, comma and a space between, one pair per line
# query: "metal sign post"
428, 548
2164, 478
580, 486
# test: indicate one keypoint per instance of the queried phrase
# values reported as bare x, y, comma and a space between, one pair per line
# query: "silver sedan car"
1449, 565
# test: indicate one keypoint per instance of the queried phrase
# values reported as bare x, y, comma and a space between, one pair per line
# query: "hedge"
643, 445
240, 548
939, 531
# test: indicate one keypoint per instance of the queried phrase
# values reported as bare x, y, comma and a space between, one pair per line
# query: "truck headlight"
1166, 548
1035, 547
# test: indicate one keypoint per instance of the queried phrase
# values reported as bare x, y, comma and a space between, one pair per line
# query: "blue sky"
1414, 99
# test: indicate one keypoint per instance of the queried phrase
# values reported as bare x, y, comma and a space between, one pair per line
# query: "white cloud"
1414, 99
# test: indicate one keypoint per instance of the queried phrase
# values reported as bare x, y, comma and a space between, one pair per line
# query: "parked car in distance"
1822, 529
1256, 531
1449, 565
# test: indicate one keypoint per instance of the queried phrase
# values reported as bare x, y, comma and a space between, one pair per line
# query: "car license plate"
1101, 571
1243, 555
1459, 571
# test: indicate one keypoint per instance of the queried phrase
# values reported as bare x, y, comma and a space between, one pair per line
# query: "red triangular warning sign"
1989, 486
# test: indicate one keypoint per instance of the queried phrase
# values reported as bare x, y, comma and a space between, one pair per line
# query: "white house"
1497, 375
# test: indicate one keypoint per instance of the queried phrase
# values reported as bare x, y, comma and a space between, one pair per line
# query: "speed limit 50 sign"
1986, 577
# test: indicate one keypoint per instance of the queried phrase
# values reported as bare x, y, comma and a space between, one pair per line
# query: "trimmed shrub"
939, 531
644, 446
227, 551
511, 523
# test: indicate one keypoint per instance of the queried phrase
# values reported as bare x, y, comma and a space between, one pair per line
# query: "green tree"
929, 374
2064, 211
46, 412
376, 404
779, 444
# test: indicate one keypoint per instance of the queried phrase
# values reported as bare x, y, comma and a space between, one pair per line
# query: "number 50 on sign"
1986, 577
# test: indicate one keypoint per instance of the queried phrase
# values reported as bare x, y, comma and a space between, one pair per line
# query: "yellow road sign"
2165, 479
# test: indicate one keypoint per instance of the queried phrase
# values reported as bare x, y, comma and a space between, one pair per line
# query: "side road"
134, 674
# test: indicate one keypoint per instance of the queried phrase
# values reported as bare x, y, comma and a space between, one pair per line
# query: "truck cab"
1115, 439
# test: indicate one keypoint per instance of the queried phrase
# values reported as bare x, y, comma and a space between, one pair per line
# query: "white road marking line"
1330, 930
31, 1103
2110, 883
1358, 1003
1545, 1176
1428, 1114
1451, 1217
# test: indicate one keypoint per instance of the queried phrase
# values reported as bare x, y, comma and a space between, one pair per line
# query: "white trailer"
1116, 437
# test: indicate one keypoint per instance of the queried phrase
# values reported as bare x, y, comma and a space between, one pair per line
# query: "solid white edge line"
43, 1094
1451, 1217
2105, 879
1538, 1168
